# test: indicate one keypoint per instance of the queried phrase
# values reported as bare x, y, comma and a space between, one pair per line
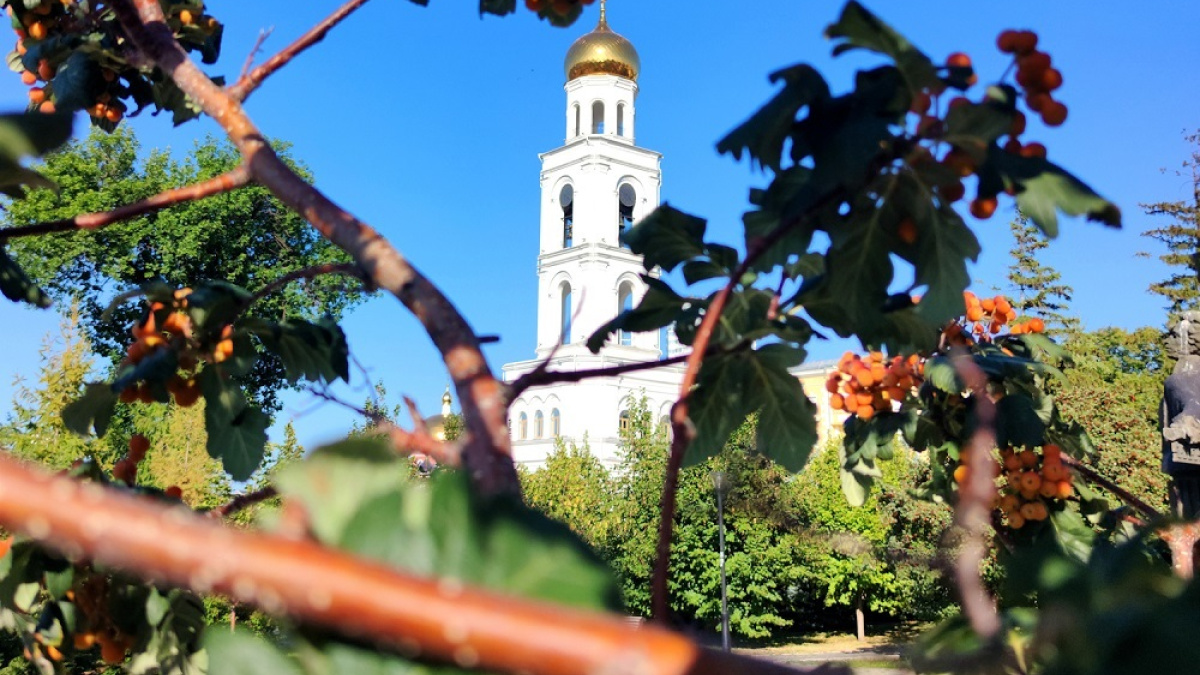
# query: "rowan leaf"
92, 411
787, 426
860, 29
763, 135
1044, 189
16, 285
666, 238
240, 653
314, 351
659, 307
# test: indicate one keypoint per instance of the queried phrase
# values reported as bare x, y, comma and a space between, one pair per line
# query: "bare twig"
348, 269
405, 442
366, 601
541, 377
487, 453
262, 38
975, 498
1119, 492
242, 501
1181, 539
216, 185
249, 81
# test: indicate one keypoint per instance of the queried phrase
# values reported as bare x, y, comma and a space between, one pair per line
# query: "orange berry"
111, 652
1038, 102
186, 18
1054, 472
1034, 150
113, 114
864, 377
125, 471
1029, 458
54, 653
1054, 114
37, 30
865, 413
177, 323
907, 231
921, 103
958, 60
1037, 325
1034, 511
128, 394
864, 398
48, 108
988, 305
46, 70
1051, 79
1065, 490
1031, 481
1012, 463
983, 207
28, 78
37, 95
1007, 41
138, 445
1009, 503
837, 402
1015, 520
174, 492
974, 313
188, 394
1048, 489
84, 641
952, 192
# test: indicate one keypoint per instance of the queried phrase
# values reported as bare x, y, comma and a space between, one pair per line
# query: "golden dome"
602, 52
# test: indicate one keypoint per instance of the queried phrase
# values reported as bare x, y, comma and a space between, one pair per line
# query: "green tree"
574, 487
245, 237
1181, 237
1113, 390
1038, 289
35, 429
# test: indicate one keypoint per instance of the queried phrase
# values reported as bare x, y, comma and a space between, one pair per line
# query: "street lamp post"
720, 485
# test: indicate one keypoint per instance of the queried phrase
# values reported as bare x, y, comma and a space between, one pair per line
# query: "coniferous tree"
1038, 289
1181, 238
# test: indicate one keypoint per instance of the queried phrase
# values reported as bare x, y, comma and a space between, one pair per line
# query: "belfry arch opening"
566, 199
598, 117
624, 304
627, 197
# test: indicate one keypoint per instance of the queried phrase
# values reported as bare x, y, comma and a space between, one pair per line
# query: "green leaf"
1018, 422
316, 352
660, 306
497, 7
1044, 188
860, 267
367, 463
77, 83
239, 442
239, 653
863, 30
695, 271
16, 285
666, 238
974, 127
731, 386
856, 477
943, 249
762, 136
33, 134
93, 410
940, 372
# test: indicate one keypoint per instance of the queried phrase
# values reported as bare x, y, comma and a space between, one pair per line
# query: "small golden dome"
602, 52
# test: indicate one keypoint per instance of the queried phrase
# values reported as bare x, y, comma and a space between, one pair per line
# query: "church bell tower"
593, 187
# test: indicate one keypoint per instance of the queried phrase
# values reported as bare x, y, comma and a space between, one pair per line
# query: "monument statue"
1179, 415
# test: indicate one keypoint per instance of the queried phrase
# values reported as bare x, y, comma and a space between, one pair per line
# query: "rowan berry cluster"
53, 19
94, 621
171, 328
866, 386
1033, 482
986, 318
559, 7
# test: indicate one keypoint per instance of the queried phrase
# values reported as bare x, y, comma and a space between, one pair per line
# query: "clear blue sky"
426, 122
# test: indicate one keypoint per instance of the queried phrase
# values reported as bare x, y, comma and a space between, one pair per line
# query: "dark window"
620, 119
522, 427
598, 117
576, 119
628, 197
566, 314
624, 304
537, 424
625, 423
566, 199
555, 423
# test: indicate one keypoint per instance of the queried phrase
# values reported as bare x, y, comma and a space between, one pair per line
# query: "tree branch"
348, 269
226, 182
682, 428
975, 498
542, 377
242, 501
487, 455
249, 81
365, 601
1119, 492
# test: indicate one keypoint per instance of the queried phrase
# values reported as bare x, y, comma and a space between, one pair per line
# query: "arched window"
624, 422
620, 119
598, 117
664, 342
624, 304
628, 197
537, 424
664, 425
522, 427
566, 313
555, 423
577, 116
566, 199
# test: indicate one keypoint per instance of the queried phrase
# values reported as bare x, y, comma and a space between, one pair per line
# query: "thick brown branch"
242, 501
250, 81
216, 185
973, 512
362, 600
538, 378
487, 452
1119, 492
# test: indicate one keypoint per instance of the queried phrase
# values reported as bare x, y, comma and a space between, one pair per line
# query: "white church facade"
593, 187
